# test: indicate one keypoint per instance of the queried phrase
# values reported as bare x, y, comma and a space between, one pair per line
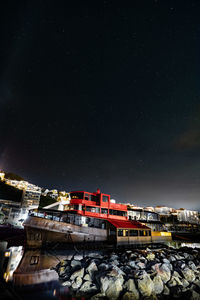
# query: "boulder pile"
133, 274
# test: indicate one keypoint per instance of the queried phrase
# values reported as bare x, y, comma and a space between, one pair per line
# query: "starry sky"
103, 94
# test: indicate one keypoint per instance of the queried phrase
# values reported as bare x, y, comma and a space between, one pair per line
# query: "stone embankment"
133, 275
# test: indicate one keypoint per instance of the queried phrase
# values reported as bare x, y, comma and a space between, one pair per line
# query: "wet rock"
185, 283
115, 262
92, 268
114, 257
78, 257
194, 295
174, 281
87, 288
166, 291
176, 274
87, 277
98, 296
61, 271
115, 272
103, 267
188, 275
126, 269
130, 286
150, 256
129, 296
145, 285
131, 264
78, 273
67, 283
141, 265
191, 265
158, 285
114, 289
75, 263
178, 257
163, 271
172, 258
77, 283
166, 261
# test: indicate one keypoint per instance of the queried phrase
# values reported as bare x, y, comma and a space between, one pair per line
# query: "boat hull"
43, 233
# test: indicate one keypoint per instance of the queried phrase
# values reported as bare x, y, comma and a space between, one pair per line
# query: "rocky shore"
133, 274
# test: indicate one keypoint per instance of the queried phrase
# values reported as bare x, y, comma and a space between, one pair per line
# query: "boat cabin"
97, 205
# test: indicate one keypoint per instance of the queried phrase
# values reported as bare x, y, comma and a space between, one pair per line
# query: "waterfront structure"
30, 198
90, 218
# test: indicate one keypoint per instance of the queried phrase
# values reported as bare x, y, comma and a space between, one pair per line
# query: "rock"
188, 275
87, 277
78, 257
129, 296
67, 283
92, 268
116, 272
178, 257
115, 262
103, 267
194, 296
176, 274
87, 288
130, 286
197, 283
104, 282
131, 264
191, 265
185, 283
172, 258
75, 263
61, 271
133, 256
114, 289
98, 296
126, 269
186, 255
63, 263
166, 261
141, 265
156, 267
114, 257
166, 290
150, 256
145, 285
76, 285
163, 271
78, 273
158, 285
174, 281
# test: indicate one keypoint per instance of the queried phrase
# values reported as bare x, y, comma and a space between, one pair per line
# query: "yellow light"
4, 275
7, 254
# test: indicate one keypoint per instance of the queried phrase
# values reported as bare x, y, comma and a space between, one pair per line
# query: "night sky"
103, 94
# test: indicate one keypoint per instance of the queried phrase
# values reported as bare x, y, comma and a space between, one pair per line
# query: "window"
117, 212
105, 198
74, 207
133, 232
76, 195
93, 209
87, 197
104, 210
125, 232
34, 260
143, 233
120, 232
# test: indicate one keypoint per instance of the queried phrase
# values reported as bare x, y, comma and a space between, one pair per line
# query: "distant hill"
8, 192
13, 176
